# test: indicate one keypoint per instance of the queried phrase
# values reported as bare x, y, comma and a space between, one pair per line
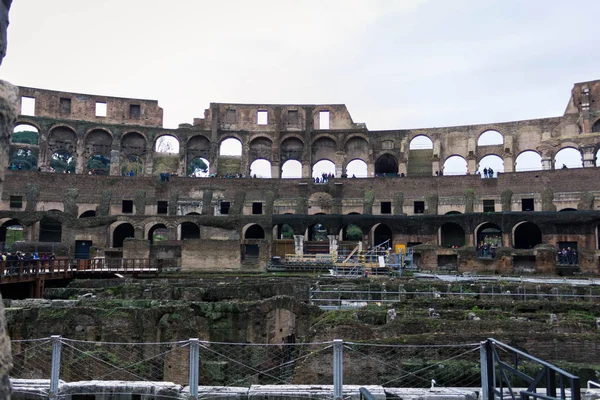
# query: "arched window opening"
62, 162
596, 127
254, 232
352, 233
323, 167
455, 165
317, 233
291, 169
452, 235
490, 138
25, 133
260, 169
489, 239
88, 214
286, 232
23, 160
158, 233
492, 161
453, 213
122, 232
189, 230
527, 235
198, 168
230, 147
567, 209
167, 144
132, 165
357, 169
98, 164
10, 232
382, 234
568, 158
421, 142
528, 161
386, 164
50, 230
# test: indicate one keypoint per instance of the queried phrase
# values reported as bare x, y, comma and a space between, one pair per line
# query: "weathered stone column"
115, 162
588, 156
546, 163
299, 245
333, 243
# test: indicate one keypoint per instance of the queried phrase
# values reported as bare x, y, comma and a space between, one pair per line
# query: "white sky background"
395, 64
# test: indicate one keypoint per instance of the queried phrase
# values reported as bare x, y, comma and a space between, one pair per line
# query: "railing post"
55, 373
338, 369
487, 370
194, 367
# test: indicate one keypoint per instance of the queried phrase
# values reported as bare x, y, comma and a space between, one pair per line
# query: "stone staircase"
419, 162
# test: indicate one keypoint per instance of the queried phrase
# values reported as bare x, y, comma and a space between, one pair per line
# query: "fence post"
487, 370
55, 373
194, 367
338, 369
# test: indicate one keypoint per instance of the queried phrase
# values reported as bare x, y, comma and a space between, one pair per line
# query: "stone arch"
421, 142
291, 148
197, 146
166, 143
11, 231
451, 235
322, 148
351, 232
253, 231
188, 230
357, 147
357, 168
198, 167
320, 203
133, 143
121, 232
261, 168
317, 232
490, 137
230, 146
596, 126
62, 138
50, 230
386, 164
87, 214
528, 160
157, 233
567, 209
26, 133
453, 213
323, 166
569, 157
380, 233
526, 235
98, 141
291, 169
284, 231
488, 233
493, 161
455, 165
260, 147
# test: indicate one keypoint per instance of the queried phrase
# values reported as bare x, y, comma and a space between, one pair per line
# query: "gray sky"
395, 64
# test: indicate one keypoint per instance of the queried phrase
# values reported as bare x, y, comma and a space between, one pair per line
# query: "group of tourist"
13, 260
567, 256
486, 250
488, 172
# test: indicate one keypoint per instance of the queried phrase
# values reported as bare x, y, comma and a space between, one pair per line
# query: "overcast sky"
395, 64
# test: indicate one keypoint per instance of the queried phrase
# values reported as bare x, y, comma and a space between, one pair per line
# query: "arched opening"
132, 165
261, 148
489, 235
357, 148
455, 165
50, 230
260, 169
198, 168
357, 169
189, 230
382, 234
452, 235
167, 144
10, 232
25, 133
492, 161
453, 213
291, 169
596, 127
352, 233
323, 148
568, 157
122, 232
386, 164
133, 143
98, 164
291, 149
158, 233
285, 231
317, 233
63, 162
193, 213
230, 147
526, 235
490, 138
88, 214
254, 231
23, 160
567, 209
323, 167
420, 142
528, 160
